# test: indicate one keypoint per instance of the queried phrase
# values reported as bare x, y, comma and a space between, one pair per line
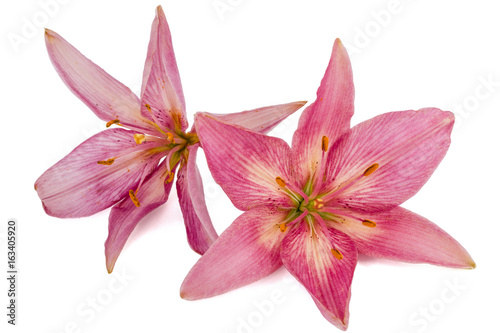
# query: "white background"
424, 53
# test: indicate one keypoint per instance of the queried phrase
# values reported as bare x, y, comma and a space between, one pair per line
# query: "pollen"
369, 224
280, 182
109, 161
336, 253
282, 227
170, 177
139, 138
134, 198
148, 107
170, 137
371, 169
324, 143
111, 122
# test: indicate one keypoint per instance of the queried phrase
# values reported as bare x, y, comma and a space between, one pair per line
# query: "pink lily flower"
133, 169
334, 193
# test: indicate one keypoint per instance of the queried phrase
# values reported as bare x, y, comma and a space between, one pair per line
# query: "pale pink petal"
126, 215
246, 251
261, 120
309, 258
104, 95
329, 115
402, 235
407, 146
245, 163
79, 186
199, 229
162, 99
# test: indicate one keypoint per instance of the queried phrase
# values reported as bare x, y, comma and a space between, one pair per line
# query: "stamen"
336, 253
282, 227
324, 143
370, 170
139, 138
280, 182
109, 161
170, 137
134, 198
170, 177
148, 107
369, 224
111, 122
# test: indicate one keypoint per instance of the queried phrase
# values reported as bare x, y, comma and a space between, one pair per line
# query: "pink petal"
245, 163
162, 99
407, 146
104, 95
246, 251
78, 186
199, 229
261, 120
126, 215
402, 235
329, 115
328, 279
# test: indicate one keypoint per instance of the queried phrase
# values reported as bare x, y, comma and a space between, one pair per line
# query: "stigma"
139, 138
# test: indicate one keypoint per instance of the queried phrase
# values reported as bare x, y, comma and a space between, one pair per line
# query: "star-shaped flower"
334, 193
133, 169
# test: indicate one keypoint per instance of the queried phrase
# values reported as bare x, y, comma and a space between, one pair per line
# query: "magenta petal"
329, 115
309, 258
162, 99
246, 251
78, 185
261, 120
402, 235
104, 95
407, 146
199, 229
245, 163
125, 215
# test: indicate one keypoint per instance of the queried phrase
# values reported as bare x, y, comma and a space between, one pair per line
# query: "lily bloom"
334, 193
132, 167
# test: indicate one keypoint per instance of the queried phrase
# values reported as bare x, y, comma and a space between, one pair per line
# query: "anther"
134, 198
280, 182
369, 224
148, 107
371, 169
111, 122
109, 161
170, 137
170, 177
324, 143
282, 227
336, 253
139, 138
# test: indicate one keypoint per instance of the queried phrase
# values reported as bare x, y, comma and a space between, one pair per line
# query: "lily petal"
199, 229
261, 120
125, 215
406, 146
245, 163
402, 235
105, 96
309, 258
246, 251
162, 98
78, 185
330, 115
